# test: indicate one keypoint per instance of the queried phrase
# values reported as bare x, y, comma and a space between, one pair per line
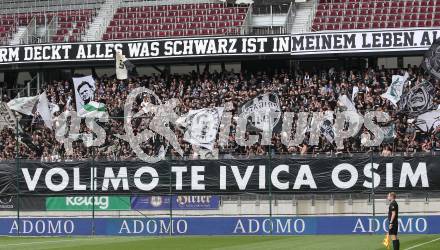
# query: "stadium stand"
7, 27
375, 14
45, 21
305, 91
175, 20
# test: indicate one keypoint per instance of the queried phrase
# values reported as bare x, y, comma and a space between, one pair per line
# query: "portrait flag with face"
418, 100
201, 126
84, 91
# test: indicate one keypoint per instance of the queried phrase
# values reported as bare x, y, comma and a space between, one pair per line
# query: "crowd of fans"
300, 91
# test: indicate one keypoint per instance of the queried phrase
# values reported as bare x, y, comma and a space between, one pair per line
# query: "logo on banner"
180, 202
263, 111
156, 201
78, 203
431, 62
6, 202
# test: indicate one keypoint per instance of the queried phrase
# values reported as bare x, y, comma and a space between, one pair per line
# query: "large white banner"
84, 91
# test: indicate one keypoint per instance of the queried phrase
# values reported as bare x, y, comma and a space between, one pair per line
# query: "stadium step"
303, 17
102, 20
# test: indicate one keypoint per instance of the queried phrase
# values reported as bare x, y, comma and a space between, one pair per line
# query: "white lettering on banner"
283, 176
64, 179
196, 178
362, 41
154, 178
242, 181
102, 201
42, 227
353, 174
274, 177
406, 225
31, 182
414, 177
304, 177
157, 226
327, 42
109, 176
267, 226
179, 176
368, 172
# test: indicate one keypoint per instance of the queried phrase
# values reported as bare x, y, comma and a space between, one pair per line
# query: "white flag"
24, 105
202, 126
428, 120
44, 110
343, 101
121, 70
355, 92
394, 91
7, 118
94, 110
327, 126
84, 91
123, 66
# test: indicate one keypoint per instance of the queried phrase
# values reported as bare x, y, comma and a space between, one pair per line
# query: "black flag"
418, 100
431, 60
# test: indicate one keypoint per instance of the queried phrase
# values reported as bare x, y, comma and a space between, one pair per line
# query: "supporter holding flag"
124, 68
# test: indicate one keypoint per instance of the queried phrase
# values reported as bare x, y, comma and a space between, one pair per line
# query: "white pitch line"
58, 241
422, 244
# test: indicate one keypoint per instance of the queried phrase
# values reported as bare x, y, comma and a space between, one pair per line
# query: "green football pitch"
370, 242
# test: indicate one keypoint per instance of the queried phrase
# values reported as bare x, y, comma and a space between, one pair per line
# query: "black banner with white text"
289, 175
313, 43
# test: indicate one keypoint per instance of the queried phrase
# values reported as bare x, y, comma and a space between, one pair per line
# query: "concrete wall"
260, 208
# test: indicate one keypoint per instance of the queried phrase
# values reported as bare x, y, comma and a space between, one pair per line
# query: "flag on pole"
418, 100
24, 105
386, 241
394, 91
7, 118
202, 126
84, 91
263, 112
44, 110
344, 102
124, 67
354, 93
431, 60
93, 109
428, 121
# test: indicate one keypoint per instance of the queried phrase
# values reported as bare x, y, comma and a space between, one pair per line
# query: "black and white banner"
328, 42
431, 60
418, 100
202, 126
343, 174
263, 112
361, 41
146, 49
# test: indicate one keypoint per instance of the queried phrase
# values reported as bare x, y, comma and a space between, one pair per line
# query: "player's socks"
396, 244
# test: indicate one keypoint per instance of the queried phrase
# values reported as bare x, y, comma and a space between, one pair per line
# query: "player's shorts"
394, 229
